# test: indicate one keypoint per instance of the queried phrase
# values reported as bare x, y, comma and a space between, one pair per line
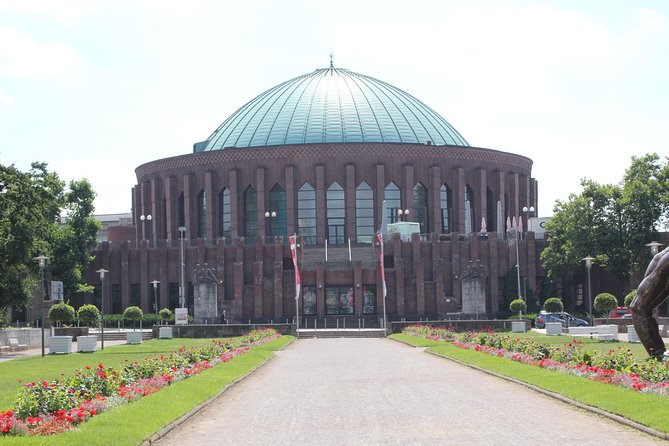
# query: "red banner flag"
293, 251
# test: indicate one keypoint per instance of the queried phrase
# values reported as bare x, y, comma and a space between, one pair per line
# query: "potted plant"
61, 313
518, 306
605, 302
165, 332
134, 314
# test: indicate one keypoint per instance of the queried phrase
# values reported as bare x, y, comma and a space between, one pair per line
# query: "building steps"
342, 333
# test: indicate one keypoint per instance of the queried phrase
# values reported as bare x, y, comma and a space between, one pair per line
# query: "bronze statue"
652, 291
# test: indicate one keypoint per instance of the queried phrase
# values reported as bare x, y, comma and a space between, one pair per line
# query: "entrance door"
339, 300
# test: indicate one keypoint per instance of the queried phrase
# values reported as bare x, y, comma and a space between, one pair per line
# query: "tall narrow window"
364, 213
491, 211
181, 210
277, 211
306, 214
164, 224
393, 202
445, 208
202, 214
471, 217
250, 214
225, 214
335, 214
420, 207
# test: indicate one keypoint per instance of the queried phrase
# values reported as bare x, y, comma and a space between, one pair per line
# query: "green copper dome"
332, 105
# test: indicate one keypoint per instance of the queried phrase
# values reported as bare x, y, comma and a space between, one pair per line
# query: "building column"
262, 207
434, 200
291, 201
189, 217
172, 223
211, 216
379, 195
419, 271
407, 191
357, 287
321, 206
459, 200
235, 199
483, 200
349, 202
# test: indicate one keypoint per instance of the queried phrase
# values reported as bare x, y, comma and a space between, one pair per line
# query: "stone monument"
473, 290
652, 291
205, 285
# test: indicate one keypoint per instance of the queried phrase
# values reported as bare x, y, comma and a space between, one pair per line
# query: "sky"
97, 88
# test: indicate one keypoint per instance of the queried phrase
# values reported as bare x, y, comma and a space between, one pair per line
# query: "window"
135, 295
335, 214
445, 204
250, 214
306, 214
339, 300
369, 299
277, 204
116, 302
181, 211
364, 213
491, 212
309, 301
393, 202
173, 295
225, 214
471, 216
202, 214
420, 206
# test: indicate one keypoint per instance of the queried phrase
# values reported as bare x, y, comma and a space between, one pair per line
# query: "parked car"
620, 312
565, 319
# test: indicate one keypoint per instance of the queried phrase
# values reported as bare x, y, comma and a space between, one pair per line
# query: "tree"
553, 305
610, 222
517, 306
605, 302
62, 313
165, 314
629, 298
88, 314
133, 314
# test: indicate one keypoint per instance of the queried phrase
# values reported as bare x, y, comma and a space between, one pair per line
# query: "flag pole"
293, 251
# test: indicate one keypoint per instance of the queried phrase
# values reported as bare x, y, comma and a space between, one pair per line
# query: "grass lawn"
131, 423
591, 344
649, 410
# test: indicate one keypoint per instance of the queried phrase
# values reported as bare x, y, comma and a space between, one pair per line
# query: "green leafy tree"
165, 314
62, 313
518, 306
629, 298
604, 303
553, 305
88, 314
133, 314
611, 222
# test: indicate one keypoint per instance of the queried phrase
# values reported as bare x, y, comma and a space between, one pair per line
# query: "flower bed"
618, 367
46, 408
439, 333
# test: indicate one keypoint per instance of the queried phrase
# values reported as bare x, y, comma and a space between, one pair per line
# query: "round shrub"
133, 313
605, 302
518, 306
62, 312
88, 314
629, 298
553, 305
165, 314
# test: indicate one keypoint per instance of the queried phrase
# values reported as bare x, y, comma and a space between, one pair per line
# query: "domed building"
332, 157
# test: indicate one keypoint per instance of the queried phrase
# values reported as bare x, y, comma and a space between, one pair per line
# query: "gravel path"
377, 391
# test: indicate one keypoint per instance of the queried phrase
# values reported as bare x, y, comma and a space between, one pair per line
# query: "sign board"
181, 316
56, 290
405, 229
538, 226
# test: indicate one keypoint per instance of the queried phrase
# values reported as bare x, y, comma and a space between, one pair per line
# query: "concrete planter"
165, 333
87, 343
632, 336
518, 327
553, 328
60, 344
134, 337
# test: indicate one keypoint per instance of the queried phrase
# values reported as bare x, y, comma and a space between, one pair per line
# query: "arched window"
420, 207
335, 214
250, 214
491, 211
393, 202
224, 214
445, 204
277, 211
364, 213
306, 214
471, 216
202, 214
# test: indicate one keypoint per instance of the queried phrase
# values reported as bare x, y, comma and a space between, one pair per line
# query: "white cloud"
5, 98
651, 20
23, 56
62, 11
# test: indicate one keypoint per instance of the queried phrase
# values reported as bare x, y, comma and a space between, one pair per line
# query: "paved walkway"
380, 392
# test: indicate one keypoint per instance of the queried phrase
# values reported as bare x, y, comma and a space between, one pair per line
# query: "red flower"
88, 367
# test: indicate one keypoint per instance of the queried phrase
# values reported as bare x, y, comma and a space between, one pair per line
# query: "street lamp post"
102, 272
145, 218
155, 295
42, 262
654, 247
401, 212
270, 215
182, 300
516, 230
588, 265
528, 211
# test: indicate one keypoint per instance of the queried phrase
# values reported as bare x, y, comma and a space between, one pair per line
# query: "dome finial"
331, 56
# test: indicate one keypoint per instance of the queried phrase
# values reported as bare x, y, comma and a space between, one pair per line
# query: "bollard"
344, 323
358, 323
337, 324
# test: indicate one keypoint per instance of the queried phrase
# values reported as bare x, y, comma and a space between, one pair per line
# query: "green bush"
553, 305
605, 302
166, 314
88, 314
630, 296
61, 313
518, 306
133, 314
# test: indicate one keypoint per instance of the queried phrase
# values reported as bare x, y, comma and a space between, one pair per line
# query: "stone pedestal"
87, 343
60, 344
205, 283
518, 327
473, 290
134, 337
553, 328
165, 333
